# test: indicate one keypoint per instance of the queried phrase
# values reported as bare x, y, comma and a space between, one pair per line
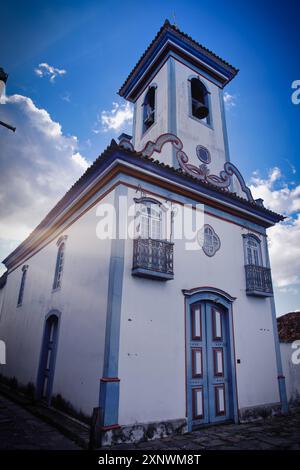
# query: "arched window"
150, 221
149, 218
199, 101
149, 109
252, 250
59, 263
22, 285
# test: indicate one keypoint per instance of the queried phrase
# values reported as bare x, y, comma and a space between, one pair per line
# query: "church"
171, 324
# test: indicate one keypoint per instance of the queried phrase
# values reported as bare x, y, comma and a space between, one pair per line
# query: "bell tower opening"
177, 88
199, 97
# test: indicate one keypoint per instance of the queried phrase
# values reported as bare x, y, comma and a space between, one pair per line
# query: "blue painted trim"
172, 106
224, 126
109, 391
207, 290
134, 123
184, 200
201, 189
169, 55
280, 376
169, 35
218, 297
43, 358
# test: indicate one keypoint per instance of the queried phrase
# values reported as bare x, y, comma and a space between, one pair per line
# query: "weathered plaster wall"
152, 344
82, 303
173, 114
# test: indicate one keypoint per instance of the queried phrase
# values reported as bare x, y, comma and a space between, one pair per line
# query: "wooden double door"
209, 377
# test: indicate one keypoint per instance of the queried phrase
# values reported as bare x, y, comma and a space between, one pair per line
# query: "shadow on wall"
57, 401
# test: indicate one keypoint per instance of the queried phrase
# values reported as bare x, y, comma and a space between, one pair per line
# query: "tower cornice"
171, 42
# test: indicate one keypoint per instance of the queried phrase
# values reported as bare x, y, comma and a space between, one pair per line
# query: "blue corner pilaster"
172, 116
280, 376
110, 383
224, 126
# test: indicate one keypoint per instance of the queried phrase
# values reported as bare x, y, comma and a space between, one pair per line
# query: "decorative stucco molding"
202, 172
208, 290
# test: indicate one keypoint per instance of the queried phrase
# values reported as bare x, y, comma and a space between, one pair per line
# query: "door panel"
209, 387
217, 354
197, 351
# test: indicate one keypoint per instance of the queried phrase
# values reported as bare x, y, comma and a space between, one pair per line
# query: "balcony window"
258, 277
152, 255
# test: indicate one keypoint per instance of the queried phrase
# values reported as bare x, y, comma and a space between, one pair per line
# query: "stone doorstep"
70, 427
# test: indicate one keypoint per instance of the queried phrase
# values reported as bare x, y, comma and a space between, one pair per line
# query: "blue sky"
98, 42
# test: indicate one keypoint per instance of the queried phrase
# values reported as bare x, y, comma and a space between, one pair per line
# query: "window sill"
57, 289
210, 126
257, 293
144, 133
156, 275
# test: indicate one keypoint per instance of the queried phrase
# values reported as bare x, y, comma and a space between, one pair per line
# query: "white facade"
81, 300
153, 325
125, 328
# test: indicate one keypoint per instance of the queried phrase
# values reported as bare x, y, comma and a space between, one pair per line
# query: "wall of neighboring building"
81, 300
291, 371
152, 340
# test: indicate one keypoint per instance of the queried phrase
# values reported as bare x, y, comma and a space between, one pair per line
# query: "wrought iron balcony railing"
258, 281
153, 259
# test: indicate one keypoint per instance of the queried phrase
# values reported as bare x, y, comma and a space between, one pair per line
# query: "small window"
211, 242
149, 109
59, 265
252, 250
22, 285
199, 100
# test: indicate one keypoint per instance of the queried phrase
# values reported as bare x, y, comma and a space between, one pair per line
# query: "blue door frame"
210, 357
48, 357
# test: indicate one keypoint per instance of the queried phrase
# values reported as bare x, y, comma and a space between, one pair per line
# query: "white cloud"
284, 238
80, 160
283, 198
38, 165
66, 97
285, 255
120, 115
46, 70
229, 100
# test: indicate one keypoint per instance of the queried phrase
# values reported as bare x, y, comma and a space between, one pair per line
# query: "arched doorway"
210, 372
48, 357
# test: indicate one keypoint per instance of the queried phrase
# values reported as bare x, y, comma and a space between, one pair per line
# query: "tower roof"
170, 41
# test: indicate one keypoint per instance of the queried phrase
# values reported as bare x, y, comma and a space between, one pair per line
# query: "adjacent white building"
163, 331
289, 337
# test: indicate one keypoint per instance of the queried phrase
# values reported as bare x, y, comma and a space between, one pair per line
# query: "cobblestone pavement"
282, 432
19, 429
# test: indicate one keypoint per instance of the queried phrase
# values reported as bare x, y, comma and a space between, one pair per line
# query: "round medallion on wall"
203, 154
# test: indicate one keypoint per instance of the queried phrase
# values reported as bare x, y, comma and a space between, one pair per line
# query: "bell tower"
177, 87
